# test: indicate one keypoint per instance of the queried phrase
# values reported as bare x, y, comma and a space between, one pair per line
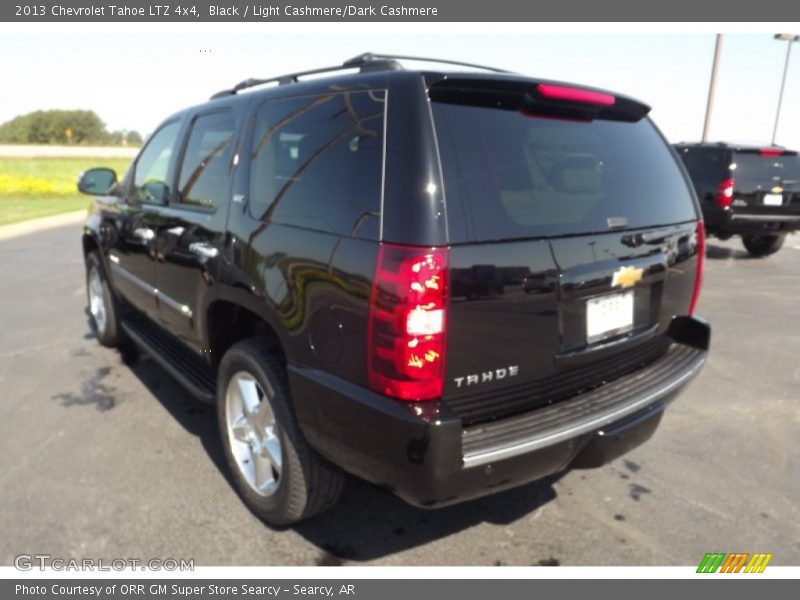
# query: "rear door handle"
203, 250
650, 237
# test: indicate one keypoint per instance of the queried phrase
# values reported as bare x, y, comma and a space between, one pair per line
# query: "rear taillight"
724, 195
408, 322
701, 261
574, 94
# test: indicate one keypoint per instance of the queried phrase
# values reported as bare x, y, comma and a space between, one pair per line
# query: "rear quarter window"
706, 166
508, 175
317, 162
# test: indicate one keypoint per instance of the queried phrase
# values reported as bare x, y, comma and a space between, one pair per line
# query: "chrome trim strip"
585, 425
776, 218
173, 304
123, 272
156, 293
383, 159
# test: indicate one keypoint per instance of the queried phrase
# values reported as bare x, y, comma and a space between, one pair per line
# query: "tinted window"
753, 170
510, 175
706, 165
150, 178
317, 162
206, 163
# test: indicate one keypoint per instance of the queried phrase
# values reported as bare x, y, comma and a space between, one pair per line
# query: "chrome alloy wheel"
97, 305
253, 433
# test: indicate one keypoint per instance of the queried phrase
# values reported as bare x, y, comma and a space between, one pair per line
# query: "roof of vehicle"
735, 147
377, 70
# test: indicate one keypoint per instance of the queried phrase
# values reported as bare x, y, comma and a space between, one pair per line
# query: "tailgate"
573, 243
766, 183
521, 331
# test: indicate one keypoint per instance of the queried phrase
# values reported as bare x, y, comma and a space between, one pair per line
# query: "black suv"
445, 283
747, 191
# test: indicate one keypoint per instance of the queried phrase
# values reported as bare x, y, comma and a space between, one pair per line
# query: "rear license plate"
773, 199
609, 315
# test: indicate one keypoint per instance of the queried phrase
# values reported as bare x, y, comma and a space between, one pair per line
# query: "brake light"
701, 261
573, 94
408, 322
770, 152
725, 193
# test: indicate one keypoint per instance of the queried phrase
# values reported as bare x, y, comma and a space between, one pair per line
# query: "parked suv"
445, 283
747, 191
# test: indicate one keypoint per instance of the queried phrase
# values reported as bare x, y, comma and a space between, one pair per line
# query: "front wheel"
103, 307
763, 245
279, 477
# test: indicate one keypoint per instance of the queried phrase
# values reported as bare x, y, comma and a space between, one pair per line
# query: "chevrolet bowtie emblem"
626, 277
777, 190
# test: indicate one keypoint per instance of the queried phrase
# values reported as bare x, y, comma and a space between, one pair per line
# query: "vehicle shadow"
195, 417
368, 522
715, 252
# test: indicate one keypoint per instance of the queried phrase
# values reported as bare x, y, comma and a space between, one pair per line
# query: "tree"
134, 138
55, 127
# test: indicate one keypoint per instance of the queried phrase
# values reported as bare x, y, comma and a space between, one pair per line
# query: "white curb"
34, 225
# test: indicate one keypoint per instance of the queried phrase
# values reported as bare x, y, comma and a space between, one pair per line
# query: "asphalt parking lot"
105, 460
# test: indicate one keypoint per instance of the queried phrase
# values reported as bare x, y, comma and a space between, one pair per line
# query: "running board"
175, 359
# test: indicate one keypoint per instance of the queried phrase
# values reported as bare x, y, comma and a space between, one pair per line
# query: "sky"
134, 78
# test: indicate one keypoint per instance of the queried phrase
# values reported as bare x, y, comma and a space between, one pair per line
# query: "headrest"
577, 174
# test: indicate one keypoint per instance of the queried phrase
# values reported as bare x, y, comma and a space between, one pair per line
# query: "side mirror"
155, 191
97, 181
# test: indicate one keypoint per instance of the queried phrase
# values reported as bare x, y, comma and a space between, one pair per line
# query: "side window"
705, 165
205, 169
317, 162
150, 177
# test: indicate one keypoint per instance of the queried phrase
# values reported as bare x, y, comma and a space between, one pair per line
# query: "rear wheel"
763, 245
103, 306
279, 477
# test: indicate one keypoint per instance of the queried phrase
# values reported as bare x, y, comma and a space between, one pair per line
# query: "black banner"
387, 589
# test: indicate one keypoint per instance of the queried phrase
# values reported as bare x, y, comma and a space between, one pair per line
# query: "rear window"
753, 170
508, 175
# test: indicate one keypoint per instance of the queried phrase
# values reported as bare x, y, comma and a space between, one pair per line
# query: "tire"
104, 310
279, 477
763, 245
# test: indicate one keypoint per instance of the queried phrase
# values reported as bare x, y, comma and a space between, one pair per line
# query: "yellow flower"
28, 185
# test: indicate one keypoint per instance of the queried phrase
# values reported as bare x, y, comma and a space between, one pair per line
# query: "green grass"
16, 209
38, 187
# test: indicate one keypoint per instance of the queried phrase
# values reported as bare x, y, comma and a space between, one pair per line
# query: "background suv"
446, 283
747, 191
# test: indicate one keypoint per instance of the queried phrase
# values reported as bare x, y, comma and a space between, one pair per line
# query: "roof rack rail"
365, 62
368, 57
280, 80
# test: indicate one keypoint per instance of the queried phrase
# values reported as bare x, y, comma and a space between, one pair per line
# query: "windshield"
509, 175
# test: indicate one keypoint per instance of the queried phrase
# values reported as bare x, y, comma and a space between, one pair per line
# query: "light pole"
712, 86
785, 37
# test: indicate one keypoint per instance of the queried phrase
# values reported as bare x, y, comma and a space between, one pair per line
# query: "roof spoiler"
537, 98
